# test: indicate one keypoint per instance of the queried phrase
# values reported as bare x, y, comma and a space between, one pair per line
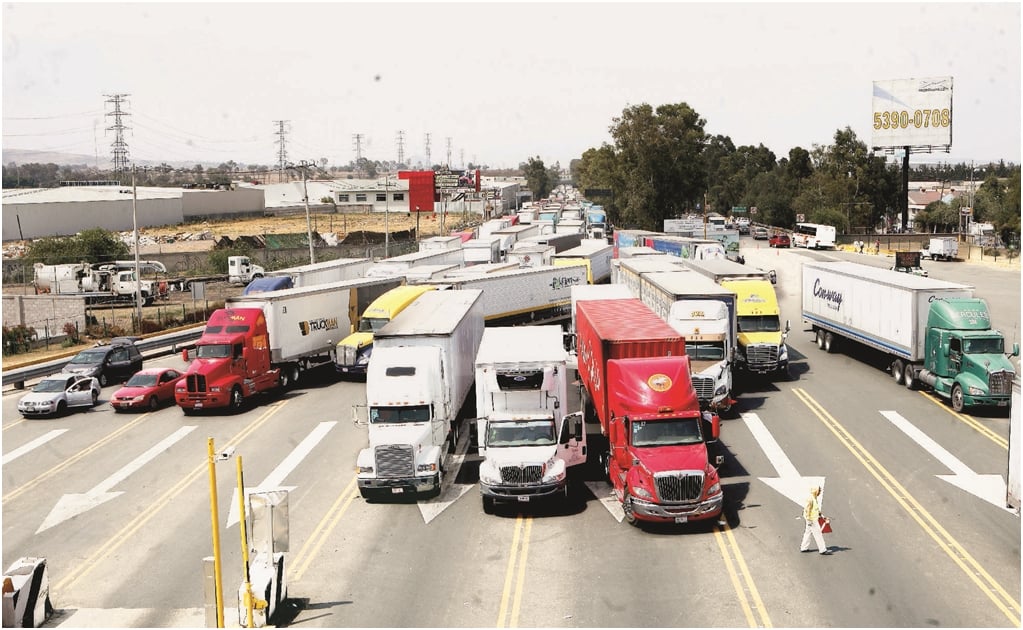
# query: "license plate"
681, 519
1003, 403
344, 369
523, 499
198, 406
397, 490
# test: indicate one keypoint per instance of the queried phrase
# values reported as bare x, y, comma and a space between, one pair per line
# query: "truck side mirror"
1015, 349
787, 327
357, 418
184, 355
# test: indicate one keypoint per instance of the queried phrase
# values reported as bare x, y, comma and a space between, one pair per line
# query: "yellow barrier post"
215, 520
245, 545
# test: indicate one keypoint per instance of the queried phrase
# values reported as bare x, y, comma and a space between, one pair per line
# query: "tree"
94, 245
537, 177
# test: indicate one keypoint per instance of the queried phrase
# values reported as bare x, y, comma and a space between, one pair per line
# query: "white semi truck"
420, 376
595, 254
523, 431
110, 283
705, 314
323, 272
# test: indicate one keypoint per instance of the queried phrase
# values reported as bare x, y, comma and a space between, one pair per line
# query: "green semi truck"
937, 333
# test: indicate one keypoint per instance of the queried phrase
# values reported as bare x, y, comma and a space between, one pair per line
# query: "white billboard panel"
912, 112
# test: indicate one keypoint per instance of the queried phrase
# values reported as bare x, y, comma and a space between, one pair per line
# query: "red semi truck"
636, 376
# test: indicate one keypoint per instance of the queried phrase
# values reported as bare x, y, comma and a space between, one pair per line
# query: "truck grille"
679, 485
348, 354
395, 460
762, 354
196, 382
1000, 383
704, 386
521, 474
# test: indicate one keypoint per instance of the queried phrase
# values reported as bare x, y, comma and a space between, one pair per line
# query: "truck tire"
630, 516
453, 437
909, 377
488, 505
285, 379
829, 342
820, 339
957, 398
236, 398
898, 371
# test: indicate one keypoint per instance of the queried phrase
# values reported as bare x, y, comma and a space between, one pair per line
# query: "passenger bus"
813, 236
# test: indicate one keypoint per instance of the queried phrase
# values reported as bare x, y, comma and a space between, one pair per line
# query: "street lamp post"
387, 212
308, 224
135, 226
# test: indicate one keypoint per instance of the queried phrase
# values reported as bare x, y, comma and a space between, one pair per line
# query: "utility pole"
119, 147
304, 167
401, 147
387, 213
138, 275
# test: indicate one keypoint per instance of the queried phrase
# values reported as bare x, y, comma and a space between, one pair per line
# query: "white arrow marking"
449, 491
789, 483
603, 492
31, 446
274, 480
71, 505
990, 488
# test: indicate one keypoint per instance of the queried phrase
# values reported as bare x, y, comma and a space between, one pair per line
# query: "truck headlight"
721, 390
975, 391
554, 470
783, 352
431, 467
640, 491
367, 470
714, 489
489, 474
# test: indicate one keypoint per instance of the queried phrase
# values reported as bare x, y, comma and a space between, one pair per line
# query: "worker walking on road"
811, 513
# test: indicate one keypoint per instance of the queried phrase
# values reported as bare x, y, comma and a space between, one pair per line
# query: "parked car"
147, 389
916, 271
780, 240
57, 393
110, 363
760, 234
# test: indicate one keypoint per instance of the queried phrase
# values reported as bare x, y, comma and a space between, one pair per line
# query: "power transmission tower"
119, 147
429, 162
449, 152
401, 147
357, 139
282, 149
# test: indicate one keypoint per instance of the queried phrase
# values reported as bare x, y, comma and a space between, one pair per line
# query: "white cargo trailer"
513, 233
629, 271
324, 272
531, 255
518, 296
420, 376
481, 250
440, 242
560, 242
425, 273
304, 324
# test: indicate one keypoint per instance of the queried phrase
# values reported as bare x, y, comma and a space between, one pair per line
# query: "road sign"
738, 209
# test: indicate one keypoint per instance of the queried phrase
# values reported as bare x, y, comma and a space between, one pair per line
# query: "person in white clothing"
811, 512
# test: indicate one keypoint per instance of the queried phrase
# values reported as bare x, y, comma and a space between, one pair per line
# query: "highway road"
119, 504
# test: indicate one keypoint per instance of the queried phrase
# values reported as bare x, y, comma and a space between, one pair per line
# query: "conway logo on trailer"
832, 298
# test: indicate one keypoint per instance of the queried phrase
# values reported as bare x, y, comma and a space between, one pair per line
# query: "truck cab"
965, 359
241, 270
658, 462
707, 328
354, 351
761, 338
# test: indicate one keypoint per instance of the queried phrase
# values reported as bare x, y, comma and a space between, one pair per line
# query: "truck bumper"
351, 369
376, 487
682, 513
523, 494
203, 402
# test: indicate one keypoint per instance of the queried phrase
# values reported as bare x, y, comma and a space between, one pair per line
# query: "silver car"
54, 395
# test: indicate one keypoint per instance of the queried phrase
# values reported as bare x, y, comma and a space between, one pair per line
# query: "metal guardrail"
155, 346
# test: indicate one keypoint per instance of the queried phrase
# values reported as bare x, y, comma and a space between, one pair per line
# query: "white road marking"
31, 446
789, 483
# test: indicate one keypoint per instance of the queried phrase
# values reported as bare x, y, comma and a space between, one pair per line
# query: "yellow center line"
509, 571
522, 573
120, 538
744, 586
969, 421
322, 530
10, 496
987, 584
15, 423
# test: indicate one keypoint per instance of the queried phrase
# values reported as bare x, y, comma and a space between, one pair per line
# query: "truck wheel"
829, 342
236, 398
280, 594
488, 505
898, 370
630, 516
820, 339
957, 398
453, 437
285, 380
909, 377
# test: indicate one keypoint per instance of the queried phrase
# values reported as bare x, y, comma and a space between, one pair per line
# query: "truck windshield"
399, 415
667, 432
372, 324
984, 345
213, 351
523, 433
759, 323
705, 351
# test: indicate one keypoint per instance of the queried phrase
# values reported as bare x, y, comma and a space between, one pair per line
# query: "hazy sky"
503, 82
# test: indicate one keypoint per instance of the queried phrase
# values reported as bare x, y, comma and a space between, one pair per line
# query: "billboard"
912, 113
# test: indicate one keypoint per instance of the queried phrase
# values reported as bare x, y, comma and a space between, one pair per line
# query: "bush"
18, 339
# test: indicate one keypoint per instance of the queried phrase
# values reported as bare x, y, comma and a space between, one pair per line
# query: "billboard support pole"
904, 201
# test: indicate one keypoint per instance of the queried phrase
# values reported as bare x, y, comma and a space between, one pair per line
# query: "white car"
54, 395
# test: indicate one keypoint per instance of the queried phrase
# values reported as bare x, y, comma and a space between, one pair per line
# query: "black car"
109, 363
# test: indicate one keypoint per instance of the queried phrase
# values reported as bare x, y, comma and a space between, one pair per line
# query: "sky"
489, 83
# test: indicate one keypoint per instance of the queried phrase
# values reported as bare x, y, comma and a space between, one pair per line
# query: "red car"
780, 240
147, 389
